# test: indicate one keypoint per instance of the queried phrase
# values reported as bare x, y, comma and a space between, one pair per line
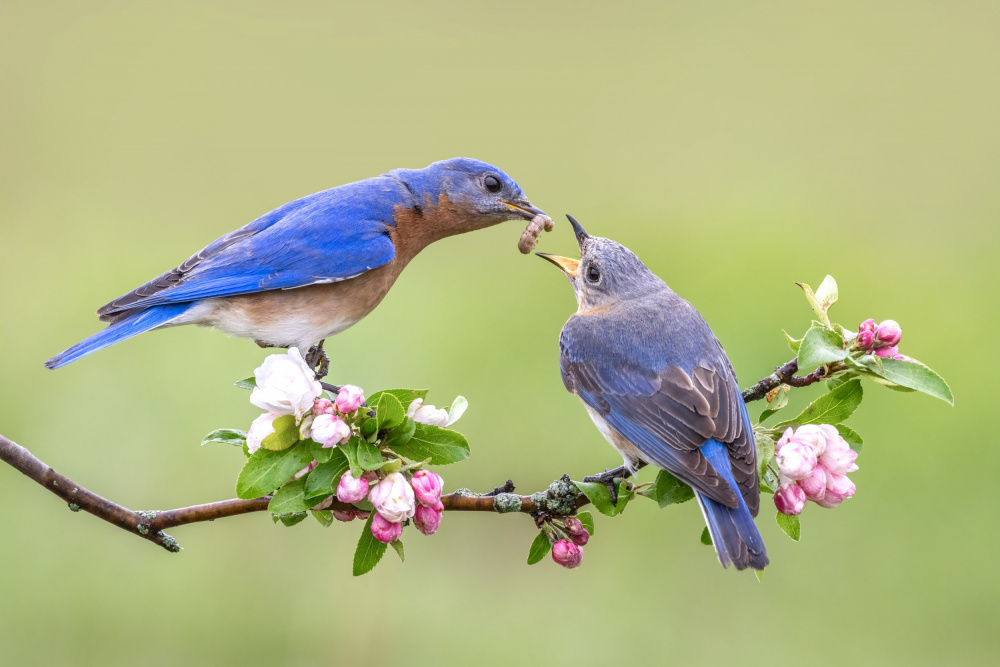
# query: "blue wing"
322, 238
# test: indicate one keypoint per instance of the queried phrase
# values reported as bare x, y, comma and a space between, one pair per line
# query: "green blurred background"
736, 148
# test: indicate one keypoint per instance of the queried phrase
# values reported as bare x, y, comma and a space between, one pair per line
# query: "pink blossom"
886, 351
814, 486
349, 399
865, 340
867, 325
838, 489
386, 531
305, 471
839, 457
889, 333
393, 498
330, 430
576, 531
351, 490
427, 487
567, 554
796, 459
790, 499
427, 414
261, 427
322, 406
427, 519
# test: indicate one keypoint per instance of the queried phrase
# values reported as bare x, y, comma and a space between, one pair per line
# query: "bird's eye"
593, 275
492, 183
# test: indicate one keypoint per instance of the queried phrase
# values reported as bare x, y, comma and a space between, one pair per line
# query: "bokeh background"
737, 147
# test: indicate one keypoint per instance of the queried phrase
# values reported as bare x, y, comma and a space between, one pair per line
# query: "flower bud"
886, 351
865, 340
285, 385
342, 515
839, 457
889, 333
567, 554
790, 499
427, 519
386, 531
427, 414
322, 406
814, 486
349, 399
576, 531
393, 498
427, 487
330, 430
838, 489
796, 459
867, 325
260, 428
351, 490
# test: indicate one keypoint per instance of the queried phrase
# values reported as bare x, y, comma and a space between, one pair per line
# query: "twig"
784, 374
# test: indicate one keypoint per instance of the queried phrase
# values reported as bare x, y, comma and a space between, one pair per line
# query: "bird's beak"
569, 266
578, 231
524, 208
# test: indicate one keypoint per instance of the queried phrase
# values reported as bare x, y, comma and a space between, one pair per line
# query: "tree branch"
560, 498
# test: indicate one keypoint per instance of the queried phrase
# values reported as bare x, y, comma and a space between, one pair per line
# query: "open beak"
569, 266
524, 209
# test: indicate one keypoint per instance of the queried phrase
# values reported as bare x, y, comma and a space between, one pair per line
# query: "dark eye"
492, 183
593, 275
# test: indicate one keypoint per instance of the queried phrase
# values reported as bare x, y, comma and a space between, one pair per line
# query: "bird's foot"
612, 478
317, 358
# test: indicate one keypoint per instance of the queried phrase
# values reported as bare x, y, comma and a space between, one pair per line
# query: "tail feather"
133, 326
734, 533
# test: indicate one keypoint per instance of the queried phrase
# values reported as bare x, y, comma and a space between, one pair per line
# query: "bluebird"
659, 387
318, 265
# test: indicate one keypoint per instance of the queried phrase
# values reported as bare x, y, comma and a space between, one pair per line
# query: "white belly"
630, 453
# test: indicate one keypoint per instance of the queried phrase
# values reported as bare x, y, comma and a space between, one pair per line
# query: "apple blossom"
385, 531
796, 459
576, 531
865, 340
260, 428
427, 414
887, 351
427, 487
838, 489
790, 499
393, 498
567, 554
889, 333
322, 406
349, 399
814, 486
839, 457
351, 490
867, 325
330, 430
427, 519
285, 385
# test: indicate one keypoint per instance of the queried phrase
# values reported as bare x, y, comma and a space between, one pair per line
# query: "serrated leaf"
440, 445
397, 546
404, 396
350, 451
587, 519
625, 494
226, 436
266, 470
706, 538
539, 547
389, 412
401, 434
248, 383
325, 517
789, 524
369, 456
286, 434
831, 408
793, 343
369, 427
820, 346
369, 551
917, 376
290, 519
599, 495
325, 477
668, 490
850, 436
320, 453
290, 498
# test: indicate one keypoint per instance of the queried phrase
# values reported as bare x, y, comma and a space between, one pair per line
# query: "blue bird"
315, 266
659, 387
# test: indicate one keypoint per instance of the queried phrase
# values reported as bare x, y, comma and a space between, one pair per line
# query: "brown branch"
785, 374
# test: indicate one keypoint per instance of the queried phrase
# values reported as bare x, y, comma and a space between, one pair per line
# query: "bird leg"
317, 358
608, 477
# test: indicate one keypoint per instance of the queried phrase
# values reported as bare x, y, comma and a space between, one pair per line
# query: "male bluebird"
315, 266
660, 388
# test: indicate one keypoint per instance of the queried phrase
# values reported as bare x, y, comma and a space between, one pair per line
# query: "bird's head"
606, 273
482, 194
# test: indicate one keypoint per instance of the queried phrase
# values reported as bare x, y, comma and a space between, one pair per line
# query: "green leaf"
915, 375
827, 293
440, 445
324, 478
705, 537
778, 401
760, 575
350, 451
290, 498
457, 409
819, 307
789, 524
765, 452
539, 547
227, 436
850, 436
668, 490
397, 546
599, 495
625, 494
369, 551
389, 412
793, 343
369, 456
401, 434
286, 434
325, 517
289, 519
320, 453
587, 519
404, 396
820, 346
266, 470
249, 383
369, 427
831, 408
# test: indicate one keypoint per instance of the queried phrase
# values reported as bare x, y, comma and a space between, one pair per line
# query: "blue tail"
119, 331
734, 534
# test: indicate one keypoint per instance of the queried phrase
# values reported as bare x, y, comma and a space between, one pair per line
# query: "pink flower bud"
261, 427
865, 340
427, 487
839, 457
349, 399
576, 531
393, 498
322, 406
838, 489
790, 499
889, 333
370, 476
814, 486
342, 515
351, 490
567, 554
886, 351
330, 430
385, 531
427, 519
867, 325
796, 459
